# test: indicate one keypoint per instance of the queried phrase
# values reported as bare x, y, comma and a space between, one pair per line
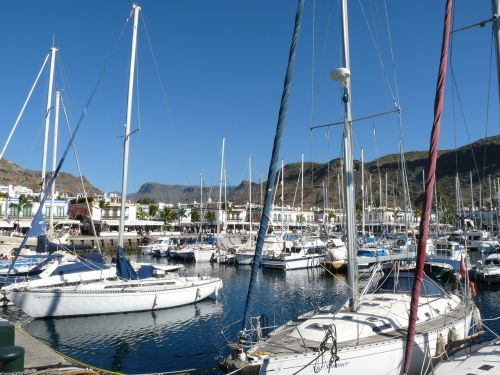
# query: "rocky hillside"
480, 157
11, 173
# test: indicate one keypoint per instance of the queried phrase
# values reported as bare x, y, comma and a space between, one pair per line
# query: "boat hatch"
318, 327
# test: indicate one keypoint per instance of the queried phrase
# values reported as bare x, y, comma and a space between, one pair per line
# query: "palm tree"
168, 214
181, 212
195, 216
23, 202
210, 217
153, 210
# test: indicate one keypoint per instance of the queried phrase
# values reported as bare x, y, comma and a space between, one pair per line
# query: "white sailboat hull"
303, 346
292, 263
203, 255
109, 298
385, 358
244, 259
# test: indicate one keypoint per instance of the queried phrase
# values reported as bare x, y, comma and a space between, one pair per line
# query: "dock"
36, 353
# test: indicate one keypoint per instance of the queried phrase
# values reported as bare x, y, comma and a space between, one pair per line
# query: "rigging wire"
163, 91
81, 175
488, 102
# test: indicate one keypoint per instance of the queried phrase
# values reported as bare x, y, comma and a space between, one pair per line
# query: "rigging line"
163, 91
488, 102
80, 173
461, 107
39, 213
377, 50
396, 86
23, 107
313, 52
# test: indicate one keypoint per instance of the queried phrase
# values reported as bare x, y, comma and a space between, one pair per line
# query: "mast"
201, 206
219, 213
301, 191
343, 76
491, 203
225, 198
363, 192
128, 120
429, 186
273, 165
495, 5
54, 156
282, 195
472, 198
53, 51
250, 195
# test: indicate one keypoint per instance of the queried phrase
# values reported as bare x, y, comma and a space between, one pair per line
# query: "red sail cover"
429, 187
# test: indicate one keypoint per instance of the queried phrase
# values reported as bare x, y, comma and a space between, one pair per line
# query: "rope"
81, 176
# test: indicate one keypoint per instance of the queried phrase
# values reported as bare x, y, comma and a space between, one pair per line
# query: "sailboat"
128, 292
368, 334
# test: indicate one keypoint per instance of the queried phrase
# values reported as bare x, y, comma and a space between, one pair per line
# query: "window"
60, 212
12, 211
27, 211
48, 211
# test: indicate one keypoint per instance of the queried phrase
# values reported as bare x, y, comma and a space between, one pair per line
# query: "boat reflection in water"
140, 342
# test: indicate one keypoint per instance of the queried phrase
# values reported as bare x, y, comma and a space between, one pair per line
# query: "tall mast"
54, 156
128, 120
53, 51
491, 204
495, 5
220, 184
282, 194
301, 190
472, 198
250, 195
343, 75
201, 204
363, 192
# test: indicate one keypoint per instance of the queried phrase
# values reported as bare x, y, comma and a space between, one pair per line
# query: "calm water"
190, 337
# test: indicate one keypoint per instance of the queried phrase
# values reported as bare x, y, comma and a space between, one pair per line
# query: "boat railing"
248, 337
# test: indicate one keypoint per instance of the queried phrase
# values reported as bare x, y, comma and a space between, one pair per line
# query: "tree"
181, 212
141, 214
167, 214
146, 200
195, 216
23, 201
103, 204
153, 210
210, 217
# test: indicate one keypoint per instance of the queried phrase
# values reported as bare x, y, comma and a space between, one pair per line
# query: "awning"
6, 224
137, 223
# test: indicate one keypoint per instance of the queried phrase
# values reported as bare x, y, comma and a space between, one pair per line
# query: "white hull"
244, 259
385, 358
113, 297
370, 341
292, 263
203, 255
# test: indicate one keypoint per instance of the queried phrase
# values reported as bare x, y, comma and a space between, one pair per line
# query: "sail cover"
123, 267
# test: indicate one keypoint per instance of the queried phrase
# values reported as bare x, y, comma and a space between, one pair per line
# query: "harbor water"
191, 338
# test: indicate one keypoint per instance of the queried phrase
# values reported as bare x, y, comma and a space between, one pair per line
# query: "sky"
213, 69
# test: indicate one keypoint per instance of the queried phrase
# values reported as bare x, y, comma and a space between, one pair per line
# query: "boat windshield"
403, 283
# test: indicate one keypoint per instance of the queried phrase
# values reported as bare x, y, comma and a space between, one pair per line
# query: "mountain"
12, 174
480, 157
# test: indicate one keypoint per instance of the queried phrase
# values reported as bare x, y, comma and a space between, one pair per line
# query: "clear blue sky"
222, 65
